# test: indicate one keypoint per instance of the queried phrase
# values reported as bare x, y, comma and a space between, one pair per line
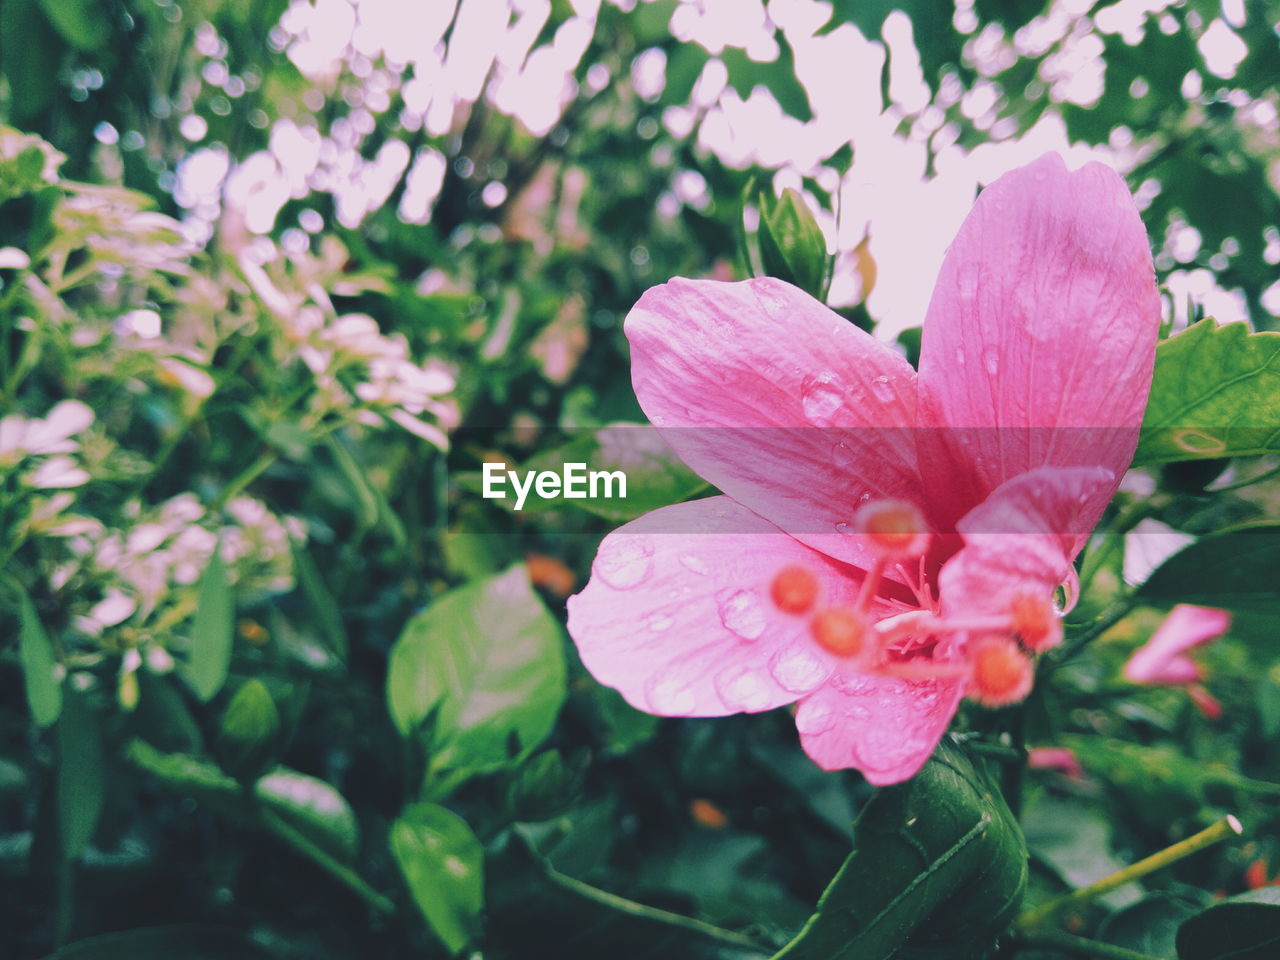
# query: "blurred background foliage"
278, 277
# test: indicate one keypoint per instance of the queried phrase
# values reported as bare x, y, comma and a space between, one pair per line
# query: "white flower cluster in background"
357, 368
154, 565
42, 450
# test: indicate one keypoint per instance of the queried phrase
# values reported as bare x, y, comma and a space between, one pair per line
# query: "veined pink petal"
778, 402
1163, 659
1020, 540
1039, 342
886, 727
678, 615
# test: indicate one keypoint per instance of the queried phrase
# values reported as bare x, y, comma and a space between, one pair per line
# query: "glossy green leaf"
1215, 393
190, 942
212, 630
443, 864
249, 733
81, 779
313, 807
1150, 925
486, 662
1246, 927
82, 23
41, 672
1232, 568
937, 861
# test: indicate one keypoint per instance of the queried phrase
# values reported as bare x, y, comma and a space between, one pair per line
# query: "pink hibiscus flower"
887, 542
1163, 660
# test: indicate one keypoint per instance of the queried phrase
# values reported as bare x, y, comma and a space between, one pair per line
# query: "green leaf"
212, 630
1215, 393
30, 52
82, 23
1232, 568
320, 599
443, 864
1075, 840
1150, 925
1246, 927
777, 76
310, 806
938, 860
80, 774
41, 671
249, 734
190, 942
487, 662
313, 807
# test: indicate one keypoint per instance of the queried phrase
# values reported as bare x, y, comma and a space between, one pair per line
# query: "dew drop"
814, 717
882, 387
669, 697
742, 689
798, 669
695, 564
625, 560
959, 356
842, 455
659, 622
991, 362
742, 614
1194, 441
821, 397
844, 527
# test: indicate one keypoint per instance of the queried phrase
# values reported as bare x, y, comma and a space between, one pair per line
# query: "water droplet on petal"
814, 717
882, 387
625, 560
669, 697
742, 689
742, 613
821, 397
991, 361
842, 455
844, 527
696, 564
658, 622
959, 356
798, 669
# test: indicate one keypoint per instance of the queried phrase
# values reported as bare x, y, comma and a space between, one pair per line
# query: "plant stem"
1108, 619
1080, 947
1228, 826
336, 869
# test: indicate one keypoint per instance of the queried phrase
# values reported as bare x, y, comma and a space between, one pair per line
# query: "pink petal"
778, 402
1040, 339
1162, 659
885, 727
1021, 539
678, 616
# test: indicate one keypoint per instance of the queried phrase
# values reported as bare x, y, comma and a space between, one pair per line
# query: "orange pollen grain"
1001, 672
794, 589
894, 528
841, 631
1035, 622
